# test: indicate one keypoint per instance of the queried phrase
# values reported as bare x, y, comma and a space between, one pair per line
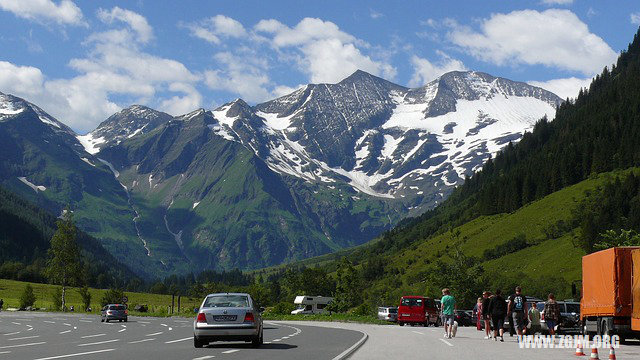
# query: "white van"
311, 304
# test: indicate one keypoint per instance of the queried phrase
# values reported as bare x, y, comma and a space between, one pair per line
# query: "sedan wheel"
258, 340
197, 343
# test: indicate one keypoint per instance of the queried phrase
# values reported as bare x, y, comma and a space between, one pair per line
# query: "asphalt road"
47, 336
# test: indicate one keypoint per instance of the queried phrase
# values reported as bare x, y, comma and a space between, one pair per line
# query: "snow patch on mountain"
90, 143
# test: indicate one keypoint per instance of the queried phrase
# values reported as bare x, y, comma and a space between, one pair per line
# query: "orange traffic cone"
612, 354
579, 351
594, 352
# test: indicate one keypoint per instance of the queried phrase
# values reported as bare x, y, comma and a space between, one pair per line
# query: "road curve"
49, 336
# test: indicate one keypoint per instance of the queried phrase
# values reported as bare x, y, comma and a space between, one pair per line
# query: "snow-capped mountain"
386, 140
127, 123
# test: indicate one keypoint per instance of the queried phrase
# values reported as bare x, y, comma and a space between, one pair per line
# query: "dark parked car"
114, 312
463, 318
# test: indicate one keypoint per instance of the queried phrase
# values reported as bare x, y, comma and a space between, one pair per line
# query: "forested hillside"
25, 234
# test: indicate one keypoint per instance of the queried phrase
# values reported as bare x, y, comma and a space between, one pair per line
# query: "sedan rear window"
226, 301
117, 307
393, 311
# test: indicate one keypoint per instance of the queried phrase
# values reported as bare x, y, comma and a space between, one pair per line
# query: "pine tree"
64, 264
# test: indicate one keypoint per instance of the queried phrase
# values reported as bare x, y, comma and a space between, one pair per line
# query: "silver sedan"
228, 317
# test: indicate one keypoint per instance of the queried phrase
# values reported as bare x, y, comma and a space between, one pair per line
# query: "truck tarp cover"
636, 284
606, 282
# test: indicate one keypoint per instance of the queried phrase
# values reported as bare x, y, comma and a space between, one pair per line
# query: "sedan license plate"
225, 317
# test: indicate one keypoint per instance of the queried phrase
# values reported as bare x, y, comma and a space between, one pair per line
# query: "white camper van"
311, 304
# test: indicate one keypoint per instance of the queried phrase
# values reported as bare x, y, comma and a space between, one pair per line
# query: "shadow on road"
279, 346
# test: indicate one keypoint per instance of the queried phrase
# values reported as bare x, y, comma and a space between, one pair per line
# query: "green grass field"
11, 290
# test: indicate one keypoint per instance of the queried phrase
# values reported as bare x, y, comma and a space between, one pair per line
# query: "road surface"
48, 336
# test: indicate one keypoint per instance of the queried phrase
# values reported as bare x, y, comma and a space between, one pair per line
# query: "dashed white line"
446, 342
5, 352
175, 341
139, 341
64, 332
100, 342
165, 325
65, 324
91, 336
13, 333
76, 354
276, 340
154, 334
49, 322
25, 337
87, 321
204, 357
121, 330
144, 322
230, 351
15, 323
22, 345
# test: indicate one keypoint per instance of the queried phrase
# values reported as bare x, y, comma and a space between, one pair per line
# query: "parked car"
228, 317
418, 310
388, 313
114, 312
569, 321
463, 318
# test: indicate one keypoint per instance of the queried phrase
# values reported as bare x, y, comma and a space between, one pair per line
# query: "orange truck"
611, 293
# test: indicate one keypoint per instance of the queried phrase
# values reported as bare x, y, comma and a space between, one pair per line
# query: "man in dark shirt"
498, 311
518, 309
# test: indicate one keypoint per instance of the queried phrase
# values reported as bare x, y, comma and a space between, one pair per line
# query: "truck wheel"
401, 323
426, 323
604, 328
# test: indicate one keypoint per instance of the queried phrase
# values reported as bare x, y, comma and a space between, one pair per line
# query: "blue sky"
84, 60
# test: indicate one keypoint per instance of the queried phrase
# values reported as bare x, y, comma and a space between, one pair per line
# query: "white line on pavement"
76, 354
49, 322
170, 328
13, 333
276, 340
15, 323
100, 342
29, 329
446, 342
90, 336
418, 332
25, 337
65, 324
230, 351
175, 341
121, 330
64, 332
144, 322
85, 320
5, 352
22, 345
204, 357
139, 341
154, 334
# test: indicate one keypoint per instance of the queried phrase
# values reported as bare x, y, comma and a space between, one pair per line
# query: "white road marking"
205, 357
13, 333
49, 322
76, 354
65, 324
25, 337
183, 321
175, 341
64, 332
5, 352
285, 337
100, 342
170, 328
418, 332
139, 341
446, 342
165, 325
144, 322
154, 334
15, 323
22, 345
121, 330
85, 320
267, 342
29, 329
276, 340
90, 336
230, 351
123, 325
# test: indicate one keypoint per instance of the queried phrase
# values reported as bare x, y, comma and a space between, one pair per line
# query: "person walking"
448, 311
486, 314
518, 309
498, 311
551, 314
477, 314
1, 304
534, 319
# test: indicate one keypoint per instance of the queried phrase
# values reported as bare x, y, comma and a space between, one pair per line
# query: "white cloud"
565, 88
242, 74
425, 71
322, 50
213, 28
20, 79
553, 38
374, 14
64, 13
114, 68
136, 21
557, 2
635, 18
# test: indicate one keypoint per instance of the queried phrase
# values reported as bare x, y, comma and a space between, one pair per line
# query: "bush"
282, 308
28, 298
362, 310
85, 295
112, 296
56, 298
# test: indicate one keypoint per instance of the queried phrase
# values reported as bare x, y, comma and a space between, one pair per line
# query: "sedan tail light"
201, 318
249, 317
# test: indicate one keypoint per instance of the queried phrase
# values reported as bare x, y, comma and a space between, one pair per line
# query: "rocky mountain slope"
325, 167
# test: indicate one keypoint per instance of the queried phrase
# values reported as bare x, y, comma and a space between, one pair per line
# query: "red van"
418, 310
